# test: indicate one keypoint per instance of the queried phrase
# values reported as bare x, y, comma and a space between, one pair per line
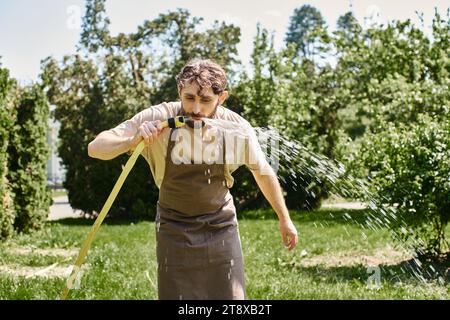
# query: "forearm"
107, 146
270, 187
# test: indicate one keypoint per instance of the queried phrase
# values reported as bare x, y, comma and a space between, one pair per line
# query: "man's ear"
223, 96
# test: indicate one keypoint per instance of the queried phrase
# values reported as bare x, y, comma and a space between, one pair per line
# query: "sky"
31, 30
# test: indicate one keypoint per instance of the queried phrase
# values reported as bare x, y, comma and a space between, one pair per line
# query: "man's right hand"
149, 131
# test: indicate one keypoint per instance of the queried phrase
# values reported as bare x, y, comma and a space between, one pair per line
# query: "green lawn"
59, 193
330, 262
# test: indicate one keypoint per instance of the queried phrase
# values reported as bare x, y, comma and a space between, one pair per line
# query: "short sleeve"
246, 149
255, 158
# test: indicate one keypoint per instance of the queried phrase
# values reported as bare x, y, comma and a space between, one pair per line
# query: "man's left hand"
288, 233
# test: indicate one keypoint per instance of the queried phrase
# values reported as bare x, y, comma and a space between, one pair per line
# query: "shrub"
28, 153
409, 166
6, 123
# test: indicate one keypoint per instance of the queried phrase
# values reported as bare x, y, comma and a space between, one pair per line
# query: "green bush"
28, 153
409, 165
397, 125
6, 124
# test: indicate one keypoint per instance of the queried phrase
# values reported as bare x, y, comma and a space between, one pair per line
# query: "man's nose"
196, 109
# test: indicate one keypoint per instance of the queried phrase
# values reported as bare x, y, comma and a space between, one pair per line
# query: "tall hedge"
6, 123
28, 153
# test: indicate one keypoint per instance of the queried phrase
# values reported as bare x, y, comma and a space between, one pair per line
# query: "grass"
58, 192
328, 262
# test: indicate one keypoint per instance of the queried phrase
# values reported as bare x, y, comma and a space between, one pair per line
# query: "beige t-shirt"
249, 153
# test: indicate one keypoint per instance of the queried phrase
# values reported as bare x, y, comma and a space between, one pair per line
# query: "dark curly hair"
206, 73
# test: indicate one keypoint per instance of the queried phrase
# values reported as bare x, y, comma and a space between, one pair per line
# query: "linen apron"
199, 249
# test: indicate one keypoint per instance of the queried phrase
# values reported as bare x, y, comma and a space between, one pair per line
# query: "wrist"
283, 214
131, 142
284, 218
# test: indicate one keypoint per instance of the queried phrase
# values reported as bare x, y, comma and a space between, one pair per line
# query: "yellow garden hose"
171, 123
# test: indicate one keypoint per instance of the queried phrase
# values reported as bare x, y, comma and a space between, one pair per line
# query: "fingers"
149, 131
146, 134
285, 239
158, 125
153, 132
293, 241
289, 236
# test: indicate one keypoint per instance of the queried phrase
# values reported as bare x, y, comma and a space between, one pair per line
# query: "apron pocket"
170, 249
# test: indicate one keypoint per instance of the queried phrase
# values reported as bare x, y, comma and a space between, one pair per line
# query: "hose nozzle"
180, 121
175, 122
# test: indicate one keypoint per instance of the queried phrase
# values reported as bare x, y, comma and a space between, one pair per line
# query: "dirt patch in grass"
57, 269
51, 271
380, 256
64, 253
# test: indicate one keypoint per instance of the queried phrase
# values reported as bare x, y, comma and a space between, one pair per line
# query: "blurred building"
55, 170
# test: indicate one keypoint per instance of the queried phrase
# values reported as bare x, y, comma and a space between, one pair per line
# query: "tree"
347, 22
399, 82
280, 94
303, 24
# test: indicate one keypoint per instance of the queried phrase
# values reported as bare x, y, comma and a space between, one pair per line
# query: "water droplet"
209, 181
232, 262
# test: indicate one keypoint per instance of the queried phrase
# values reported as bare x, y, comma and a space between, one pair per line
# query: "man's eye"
206, 101
189, 98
